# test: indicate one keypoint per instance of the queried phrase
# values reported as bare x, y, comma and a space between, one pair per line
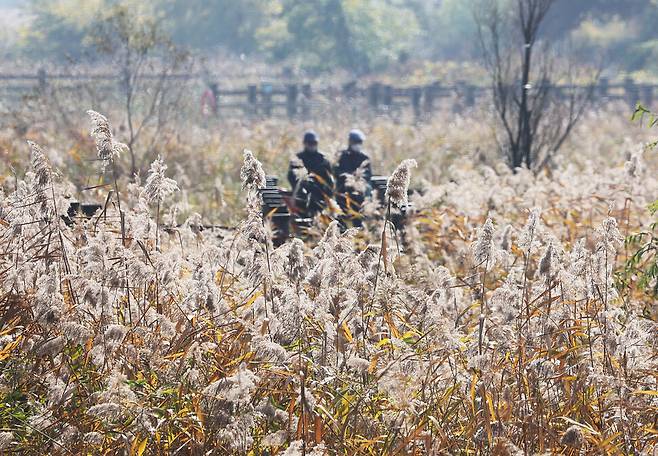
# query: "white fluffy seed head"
40, 165
252, 174
6, 439
158, 186
108, 149
483, 247
397, 188
530, 230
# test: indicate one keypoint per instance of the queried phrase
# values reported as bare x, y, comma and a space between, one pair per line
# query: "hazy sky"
11, 16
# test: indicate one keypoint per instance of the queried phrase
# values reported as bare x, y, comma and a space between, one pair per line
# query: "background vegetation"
323, 35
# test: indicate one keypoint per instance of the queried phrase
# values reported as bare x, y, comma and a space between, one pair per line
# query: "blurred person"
310, 177
352, 174
209, 100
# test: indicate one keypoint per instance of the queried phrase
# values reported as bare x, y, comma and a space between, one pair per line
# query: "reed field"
514, 313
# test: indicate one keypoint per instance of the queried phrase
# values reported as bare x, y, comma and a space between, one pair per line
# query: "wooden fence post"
647, 95
388, 97
252, 99
466, 92
603, 87
632, 92
373, 95
266, 93
349, 90
214, 89
42, 79
307, 93
416, 95
291, 100
459, 90
431, 93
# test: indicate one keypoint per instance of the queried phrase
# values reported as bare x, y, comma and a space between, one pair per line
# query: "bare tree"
147, 61
534, 95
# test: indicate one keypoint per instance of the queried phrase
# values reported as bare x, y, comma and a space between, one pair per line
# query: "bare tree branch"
534, 116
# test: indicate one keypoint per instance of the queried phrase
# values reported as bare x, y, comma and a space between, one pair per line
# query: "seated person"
352, 174
310, 177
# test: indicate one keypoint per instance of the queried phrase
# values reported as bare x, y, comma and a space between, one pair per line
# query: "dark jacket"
349, 199
348, 163
319, 185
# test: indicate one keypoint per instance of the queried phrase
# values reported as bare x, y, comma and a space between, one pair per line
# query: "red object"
208, 100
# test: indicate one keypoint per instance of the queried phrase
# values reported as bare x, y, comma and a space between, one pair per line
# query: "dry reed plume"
493, 325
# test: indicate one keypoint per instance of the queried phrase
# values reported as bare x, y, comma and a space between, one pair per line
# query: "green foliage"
358, 35
622, 31
449, 26
643, 264
318, 34
205, 24
314, 32
380, 31
53, 30
641, 113
118, 31
70, 28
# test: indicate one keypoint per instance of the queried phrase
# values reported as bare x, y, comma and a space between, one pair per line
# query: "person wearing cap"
310, 176
352, 174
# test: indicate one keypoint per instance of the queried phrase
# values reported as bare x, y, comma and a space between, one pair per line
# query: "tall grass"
491, 326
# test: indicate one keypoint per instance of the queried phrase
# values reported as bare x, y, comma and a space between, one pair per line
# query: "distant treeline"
358, 35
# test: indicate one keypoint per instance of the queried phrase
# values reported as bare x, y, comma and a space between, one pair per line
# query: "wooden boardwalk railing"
295, 99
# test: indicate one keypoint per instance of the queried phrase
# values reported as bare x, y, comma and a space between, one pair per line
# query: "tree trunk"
526, 140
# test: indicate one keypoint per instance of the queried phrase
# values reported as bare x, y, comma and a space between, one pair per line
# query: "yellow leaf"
347, 332
253, 298
568, 378
6, 352
246, 357
587, 427
142, 447
409, 335
491, 407
391, 324
175, 355
373, 363
133, 446
606, 443
383, 342
10, 326
647, 392
472, 392
137, 447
